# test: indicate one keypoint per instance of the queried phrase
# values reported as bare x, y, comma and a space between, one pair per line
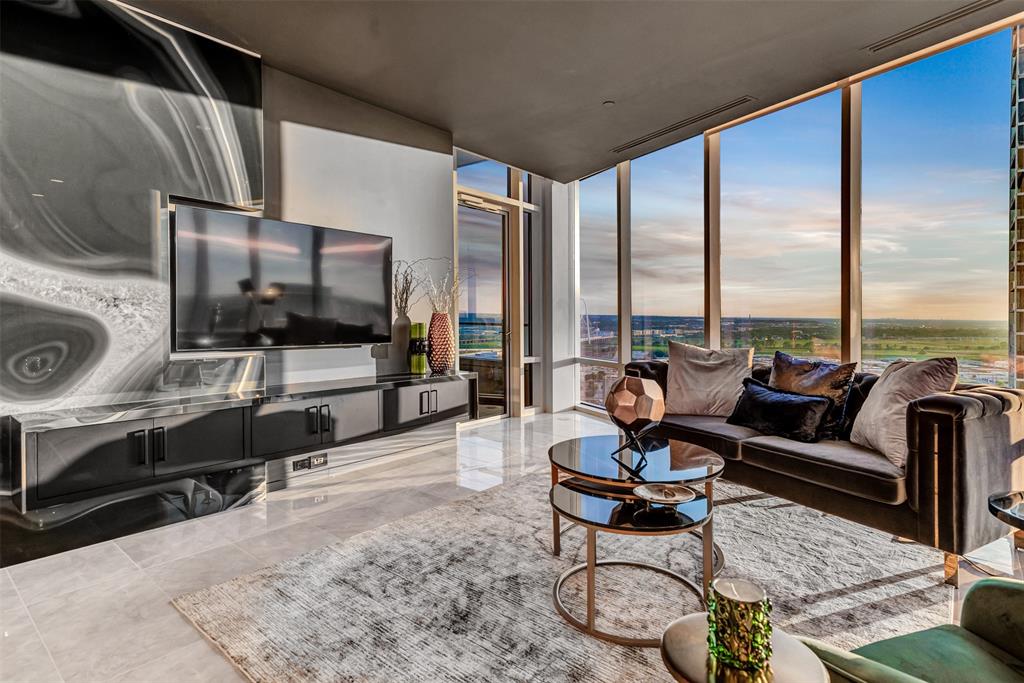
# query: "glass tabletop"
624, 515
668, 461
1008, 507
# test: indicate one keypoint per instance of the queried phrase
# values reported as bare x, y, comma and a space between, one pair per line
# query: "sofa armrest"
847, 667
963, 446
994, 611
650, 369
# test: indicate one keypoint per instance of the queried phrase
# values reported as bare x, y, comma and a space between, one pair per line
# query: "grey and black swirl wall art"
104, 113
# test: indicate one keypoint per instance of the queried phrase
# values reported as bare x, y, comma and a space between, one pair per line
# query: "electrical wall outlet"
317, 460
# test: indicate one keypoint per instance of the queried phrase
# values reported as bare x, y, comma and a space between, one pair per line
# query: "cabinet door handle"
424, 402
140, 446
159, 444
325, 419
313, 419
433, 400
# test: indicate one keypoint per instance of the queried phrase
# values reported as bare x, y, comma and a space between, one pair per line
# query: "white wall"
338, 162
560, 303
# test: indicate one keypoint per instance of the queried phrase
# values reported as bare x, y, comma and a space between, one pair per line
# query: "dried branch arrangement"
406, 282
443, 291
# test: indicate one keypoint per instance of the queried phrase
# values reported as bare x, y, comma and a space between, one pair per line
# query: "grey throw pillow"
881, 423
705, 381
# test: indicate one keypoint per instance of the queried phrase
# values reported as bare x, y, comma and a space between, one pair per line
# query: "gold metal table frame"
712, 557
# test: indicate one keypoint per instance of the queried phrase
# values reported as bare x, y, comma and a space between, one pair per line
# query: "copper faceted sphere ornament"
634, 403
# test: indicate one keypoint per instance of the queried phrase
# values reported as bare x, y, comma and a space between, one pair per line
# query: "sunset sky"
935, 157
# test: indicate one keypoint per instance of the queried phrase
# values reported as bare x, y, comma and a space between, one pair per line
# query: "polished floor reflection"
103, 613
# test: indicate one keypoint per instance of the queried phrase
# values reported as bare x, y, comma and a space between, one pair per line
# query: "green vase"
418, 348
739, 627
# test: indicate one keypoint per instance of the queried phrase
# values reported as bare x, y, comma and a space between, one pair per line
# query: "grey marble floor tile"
23, 657
203, 569
348, 521
101, 631
287, 542
170, 542
58, 574
198, 662
251, 520
9, 597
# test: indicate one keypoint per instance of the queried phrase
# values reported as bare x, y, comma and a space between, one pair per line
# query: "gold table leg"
707, 537
591, 574
556, 522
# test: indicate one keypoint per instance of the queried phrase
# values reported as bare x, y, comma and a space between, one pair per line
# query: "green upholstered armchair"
988, 645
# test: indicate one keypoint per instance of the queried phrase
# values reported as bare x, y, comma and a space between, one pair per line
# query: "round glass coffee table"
1009, 508
592, 490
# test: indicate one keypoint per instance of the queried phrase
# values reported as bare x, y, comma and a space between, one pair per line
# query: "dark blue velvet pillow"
780, 413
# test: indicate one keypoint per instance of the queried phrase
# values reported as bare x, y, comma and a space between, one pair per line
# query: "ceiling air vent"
938, 21
696, 118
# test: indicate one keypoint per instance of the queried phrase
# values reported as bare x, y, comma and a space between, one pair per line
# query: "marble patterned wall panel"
104, 112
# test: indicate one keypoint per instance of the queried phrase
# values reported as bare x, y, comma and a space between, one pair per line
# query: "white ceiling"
524, 82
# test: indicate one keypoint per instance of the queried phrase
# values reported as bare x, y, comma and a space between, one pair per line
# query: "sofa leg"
951, 570
1018, 540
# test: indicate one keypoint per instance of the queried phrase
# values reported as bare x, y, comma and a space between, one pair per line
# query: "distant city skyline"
934, 217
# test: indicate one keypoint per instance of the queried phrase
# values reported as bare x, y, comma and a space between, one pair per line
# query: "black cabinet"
78, 460
422, 404
449, 399
291, 426
349, 416
285, 426
188, 442
91, 457
64, 464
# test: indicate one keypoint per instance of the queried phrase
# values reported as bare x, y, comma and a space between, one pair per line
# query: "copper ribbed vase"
441, 355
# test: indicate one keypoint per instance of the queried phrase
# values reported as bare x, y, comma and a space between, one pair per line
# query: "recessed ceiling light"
56, 180
36, 194
609, 103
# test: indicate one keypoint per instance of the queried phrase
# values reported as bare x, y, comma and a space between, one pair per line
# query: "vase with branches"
443, 293
405, 283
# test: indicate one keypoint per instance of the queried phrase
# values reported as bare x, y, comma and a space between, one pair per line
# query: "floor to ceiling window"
667, 245
780, 231
934, 210
598, 284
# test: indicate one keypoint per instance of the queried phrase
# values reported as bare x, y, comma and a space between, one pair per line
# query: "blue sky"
935, 155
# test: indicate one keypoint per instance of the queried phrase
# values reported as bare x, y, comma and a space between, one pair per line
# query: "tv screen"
242, 282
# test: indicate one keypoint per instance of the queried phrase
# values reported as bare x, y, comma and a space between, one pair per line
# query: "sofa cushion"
862, 383
778, 412
882, 421
705, 381
816, 378
945, 654
838, 465
708, 431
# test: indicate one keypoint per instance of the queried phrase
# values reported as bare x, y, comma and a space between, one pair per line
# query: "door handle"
313, 419
424, 407
140, 446
433, 400
159, 444
325, 419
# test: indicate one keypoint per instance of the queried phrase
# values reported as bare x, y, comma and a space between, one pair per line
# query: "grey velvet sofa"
963, 446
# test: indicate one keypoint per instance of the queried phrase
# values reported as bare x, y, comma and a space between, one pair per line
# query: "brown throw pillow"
881, 423
705, 381
816, 378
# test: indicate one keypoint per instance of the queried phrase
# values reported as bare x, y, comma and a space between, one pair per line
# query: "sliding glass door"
483, 329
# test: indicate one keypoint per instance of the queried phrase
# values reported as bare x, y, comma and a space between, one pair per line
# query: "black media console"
162, 461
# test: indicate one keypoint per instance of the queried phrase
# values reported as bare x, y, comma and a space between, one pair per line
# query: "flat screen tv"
241, 282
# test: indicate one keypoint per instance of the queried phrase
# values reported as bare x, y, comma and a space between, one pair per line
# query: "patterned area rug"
463, 593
